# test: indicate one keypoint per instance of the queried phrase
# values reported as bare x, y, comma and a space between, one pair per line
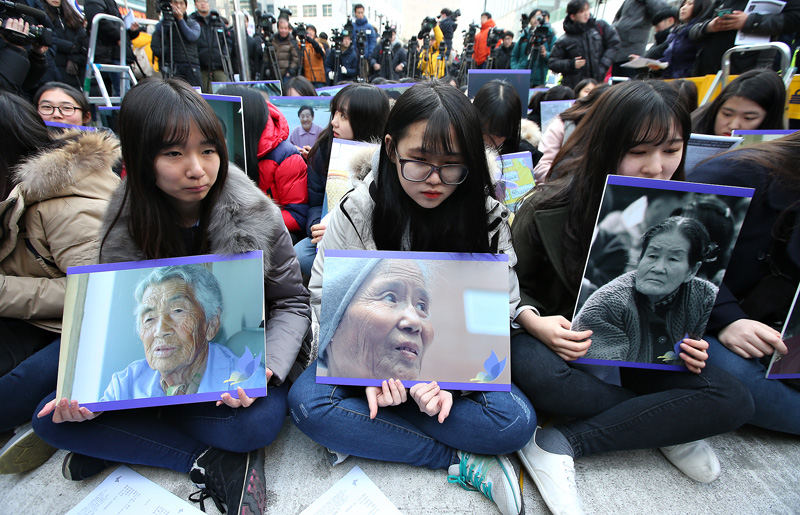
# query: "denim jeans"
172, 436
652, 408
26, 384
777, 405
481, 422
306, 252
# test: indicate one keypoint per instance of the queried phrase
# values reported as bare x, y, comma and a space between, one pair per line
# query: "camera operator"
366, 26
533, 48
20, 68
211, 47
348, 60
502, 54
285, 49
399, 57
69, 41
429, 63
482, 49
174, 43
447, 22
313, 57
107, 46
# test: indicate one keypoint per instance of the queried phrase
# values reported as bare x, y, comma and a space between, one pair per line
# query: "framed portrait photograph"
659, 253
306, 116
520, 79
160, 332
787, 366
415, 316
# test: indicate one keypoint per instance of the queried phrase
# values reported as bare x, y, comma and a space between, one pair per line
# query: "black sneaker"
235, 479
77, 467
25, 451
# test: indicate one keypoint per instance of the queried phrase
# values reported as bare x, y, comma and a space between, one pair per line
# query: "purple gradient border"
155, 263
783, 376
223, 98
695, 187
784, 132
503, 71
445, 385
630, 364
424, 256
70, 126
149, 402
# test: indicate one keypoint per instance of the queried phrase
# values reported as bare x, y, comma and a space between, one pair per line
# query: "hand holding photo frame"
658, 256
415, 316
168, 331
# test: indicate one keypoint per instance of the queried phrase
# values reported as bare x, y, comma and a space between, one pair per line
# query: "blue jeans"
26, 384
652, 408
306, 252
777, 405
481, 422
172, 436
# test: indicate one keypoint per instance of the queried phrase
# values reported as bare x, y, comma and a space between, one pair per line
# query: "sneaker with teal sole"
493, 476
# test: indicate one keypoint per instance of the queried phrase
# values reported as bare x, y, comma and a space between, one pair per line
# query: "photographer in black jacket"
174, 43
399, 58
448, 26
214, 46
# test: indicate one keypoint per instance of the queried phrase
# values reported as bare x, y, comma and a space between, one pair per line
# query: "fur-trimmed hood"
77, 166
243, 219
530, 132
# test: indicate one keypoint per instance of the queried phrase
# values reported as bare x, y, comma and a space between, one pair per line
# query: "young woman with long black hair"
429, 190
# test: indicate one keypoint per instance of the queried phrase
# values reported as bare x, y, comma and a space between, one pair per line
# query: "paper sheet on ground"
758, 7
703, 146
126, 492
354, 494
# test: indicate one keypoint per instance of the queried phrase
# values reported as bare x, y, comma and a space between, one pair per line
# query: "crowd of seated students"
63, 205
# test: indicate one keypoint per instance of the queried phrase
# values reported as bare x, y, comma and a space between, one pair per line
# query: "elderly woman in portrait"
641, 315
376, 319
177, 317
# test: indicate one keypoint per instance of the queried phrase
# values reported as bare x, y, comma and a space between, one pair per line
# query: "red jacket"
482, 50
282, 171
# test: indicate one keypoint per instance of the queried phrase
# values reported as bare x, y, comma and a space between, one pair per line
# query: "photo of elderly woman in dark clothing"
641, 315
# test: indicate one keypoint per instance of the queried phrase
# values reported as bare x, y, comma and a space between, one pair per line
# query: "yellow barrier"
794, 98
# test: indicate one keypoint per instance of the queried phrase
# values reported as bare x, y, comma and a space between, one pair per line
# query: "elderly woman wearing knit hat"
376, 319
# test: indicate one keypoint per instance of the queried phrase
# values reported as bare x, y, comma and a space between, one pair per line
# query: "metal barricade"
93, 69
721, 79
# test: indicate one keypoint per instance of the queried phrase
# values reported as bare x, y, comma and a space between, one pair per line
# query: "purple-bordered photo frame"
751, 137
520, 79
415, 316
268, 87
787, 366
127, 323
658, 256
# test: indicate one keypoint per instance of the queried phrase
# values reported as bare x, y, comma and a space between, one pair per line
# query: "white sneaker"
493, 476
695, 459
554, 475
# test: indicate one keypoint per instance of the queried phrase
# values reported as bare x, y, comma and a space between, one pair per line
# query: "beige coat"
50, 221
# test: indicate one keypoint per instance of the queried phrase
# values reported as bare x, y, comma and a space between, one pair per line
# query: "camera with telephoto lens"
284, 13
493, 37
37, 35
427, 25
265, 23
300, 31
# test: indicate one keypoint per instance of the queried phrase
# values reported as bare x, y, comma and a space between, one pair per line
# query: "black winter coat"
596, 41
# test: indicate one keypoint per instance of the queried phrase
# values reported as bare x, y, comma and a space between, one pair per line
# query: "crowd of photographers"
47, 40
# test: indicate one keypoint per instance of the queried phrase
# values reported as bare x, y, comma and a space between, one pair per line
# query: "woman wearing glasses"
59, 102
427, 191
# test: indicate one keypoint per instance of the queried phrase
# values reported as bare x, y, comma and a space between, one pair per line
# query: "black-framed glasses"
65, 110
419, 171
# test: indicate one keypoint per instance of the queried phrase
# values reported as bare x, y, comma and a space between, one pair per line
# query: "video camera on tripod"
427, 26
264, 24
300, 31
37, 35
268, 69
386, 36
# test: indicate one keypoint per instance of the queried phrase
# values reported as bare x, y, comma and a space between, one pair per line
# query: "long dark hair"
500, 109
256, 117
23, 135
366, 108
71, 17
460, 223
762, 86
624, 116
154, 115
